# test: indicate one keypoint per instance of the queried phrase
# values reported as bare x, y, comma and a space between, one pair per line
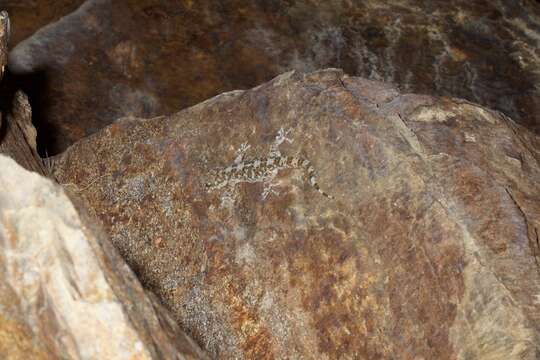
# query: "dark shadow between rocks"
6, 99
37, 87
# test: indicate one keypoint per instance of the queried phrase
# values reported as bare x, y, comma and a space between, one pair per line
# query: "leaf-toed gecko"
262, 169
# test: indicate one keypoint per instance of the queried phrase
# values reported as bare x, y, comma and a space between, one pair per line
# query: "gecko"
262, 169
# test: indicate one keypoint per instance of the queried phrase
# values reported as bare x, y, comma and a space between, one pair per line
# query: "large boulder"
64, 291
425, 247
147, 58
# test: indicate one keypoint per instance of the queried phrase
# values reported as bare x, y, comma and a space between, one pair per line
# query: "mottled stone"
4, 41
147, 58
429, 249
28, 16
18, 135
64, 291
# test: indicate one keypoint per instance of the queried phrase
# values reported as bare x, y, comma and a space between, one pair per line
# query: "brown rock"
4, 41
18, 135
64, 291
429, 248
28, 16
146, 58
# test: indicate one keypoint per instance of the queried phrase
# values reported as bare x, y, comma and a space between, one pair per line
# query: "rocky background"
427, 141
146, 58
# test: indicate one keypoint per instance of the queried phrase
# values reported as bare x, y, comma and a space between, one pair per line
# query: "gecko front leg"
280, 138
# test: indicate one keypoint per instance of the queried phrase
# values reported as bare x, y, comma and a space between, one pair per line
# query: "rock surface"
429, 248
147, 58
18, 137
4, 41
64, 291
28, 16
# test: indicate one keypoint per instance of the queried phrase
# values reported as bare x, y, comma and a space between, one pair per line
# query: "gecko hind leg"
269, 189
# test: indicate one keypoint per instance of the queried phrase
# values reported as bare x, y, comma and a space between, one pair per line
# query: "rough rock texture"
4, 41
64, 291
148, 58
18, 135
429, 250
28, 16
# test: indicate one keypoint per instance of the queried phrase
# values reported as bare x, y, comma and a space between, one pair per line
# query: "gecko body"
262, 170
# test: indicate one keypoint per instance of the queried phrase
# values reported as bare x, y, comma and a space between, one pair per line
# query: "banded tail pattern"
309, 172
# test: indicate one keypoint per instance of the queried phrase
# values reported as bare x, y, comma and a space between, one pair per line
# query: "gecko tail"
306, 164
316, 186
